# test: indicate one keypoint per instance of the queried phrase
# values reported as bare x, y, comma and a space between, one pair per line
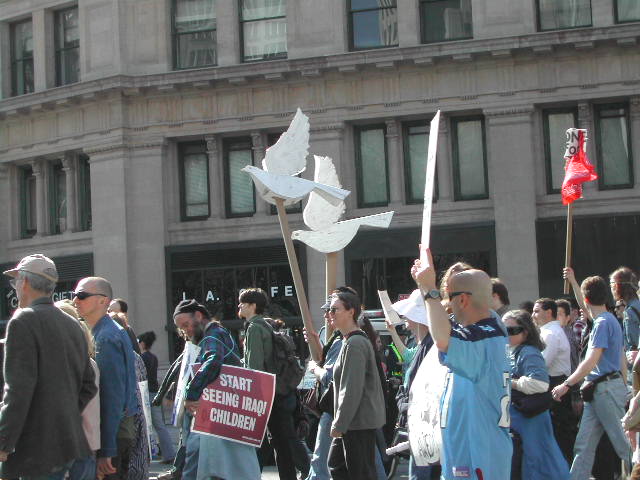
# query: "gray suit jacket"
48, 382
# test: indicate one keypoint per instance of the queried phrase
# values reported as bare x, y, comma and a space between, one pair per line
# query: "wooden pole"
567, 252
331, 262
297, 277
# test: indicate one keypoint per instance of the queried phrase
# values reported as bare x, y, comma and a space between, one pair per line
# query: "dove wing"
288, 156
319, 214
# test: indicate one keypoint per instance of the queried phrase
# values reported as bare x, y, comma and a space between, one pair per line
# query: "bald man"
475, 405
116, 360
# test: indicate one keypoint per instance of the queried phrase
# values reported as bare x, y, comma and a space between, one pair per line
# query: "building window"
264, 29
469, 159
67, 40
240, 199
84, 193
28, 205
627, 11
373, 24
561, 14
194, 181
371, 166
613, 144
57, 199
442, 20
556, 122
415, 144
21, 58
194, 33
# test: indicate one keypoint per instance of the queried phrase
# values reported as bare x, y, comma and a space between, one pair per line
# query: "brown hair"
627, 283
594, 290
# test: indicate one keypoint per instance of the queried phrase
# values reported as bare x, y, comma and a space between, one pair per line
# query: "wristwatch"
433, 294
566, 384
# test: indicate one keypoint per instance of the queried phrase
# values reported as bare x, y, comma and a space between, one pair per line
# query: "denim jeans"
319, 468
600, 415
418, 473
166, 445
57, 473
83, 468
192, 449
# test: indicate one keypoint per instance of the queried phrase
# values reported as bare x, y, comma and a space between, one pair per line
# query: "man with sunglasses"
116, 360
48, 382
475, 404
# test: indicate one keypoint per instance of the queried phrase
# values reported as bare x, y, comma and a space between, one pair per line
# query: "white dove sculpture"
327, 235
283, 161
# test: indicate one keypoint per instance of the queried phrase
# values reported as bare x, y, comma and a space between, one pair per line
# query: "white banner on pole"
428, 184
190, 354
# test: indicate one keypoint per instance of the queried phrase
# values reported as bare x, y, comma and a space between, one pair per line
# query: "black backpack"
284, 361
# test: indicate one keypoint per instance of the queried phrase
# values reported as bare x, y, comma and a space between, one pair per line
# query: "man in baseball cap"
48, 381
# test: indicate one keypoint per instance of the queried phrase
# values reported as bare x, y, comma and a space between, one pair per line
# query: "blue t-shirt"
606, 334
475, 403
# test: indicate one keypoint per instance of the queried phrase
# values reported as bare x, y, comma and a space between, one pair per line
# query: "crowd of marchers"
548, 390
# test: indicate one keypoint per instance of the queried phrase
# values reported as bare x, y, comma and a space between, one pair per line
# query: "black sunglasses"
84, 295
452, 295
514, 330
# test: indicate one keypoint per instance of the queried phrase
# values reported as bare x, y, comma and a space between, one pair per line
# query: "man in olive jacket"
48, 379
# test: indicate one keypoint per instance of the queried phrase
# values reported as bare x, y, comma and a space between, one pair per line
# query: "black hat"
190, 306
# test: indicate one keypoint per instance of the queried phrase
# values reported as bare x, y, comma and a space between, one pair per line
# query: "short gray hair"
38, 283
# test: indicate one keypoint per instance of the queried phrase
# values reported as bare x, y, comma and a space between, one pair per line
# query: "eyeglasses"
84, 295
334, 310
514, 330
452, 295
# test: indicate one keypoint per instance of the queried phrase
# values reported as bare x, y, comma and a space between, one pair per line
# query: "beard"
198, 334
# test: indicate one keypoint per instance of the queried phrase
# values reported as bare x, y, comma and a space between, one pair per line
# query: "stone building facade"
123, 125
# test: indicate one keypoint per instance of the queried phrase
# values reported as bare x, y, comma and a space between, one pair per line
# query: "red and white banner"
237, 405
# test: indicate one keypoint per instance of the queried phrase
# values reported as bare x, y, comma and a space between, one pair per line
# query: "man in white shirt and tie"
557, 356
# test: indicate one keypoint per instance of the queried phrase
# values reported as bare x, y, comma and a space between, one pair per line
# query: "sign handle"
567, 253
331, 263
297, 277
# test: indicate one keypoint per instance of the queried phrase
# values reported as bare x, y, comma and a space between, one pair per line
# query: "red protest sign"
237, 405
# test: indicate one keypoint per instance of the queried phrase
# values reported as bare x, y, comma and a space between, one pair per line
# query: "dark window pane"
58, 199
67, 47
373, 189
556, 125
446, 20
375, 28
470, 162
265, 39
84, 192
196, 49
28, 208
614, 149
559, 14
241, 199
416, 142
260, 9
22, 58
628, 10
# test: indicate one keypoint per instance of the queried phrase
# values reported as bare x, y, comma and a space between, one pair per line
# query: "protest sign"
189, 355
423, 415
146, 409
389, 312
237, 405
428, 184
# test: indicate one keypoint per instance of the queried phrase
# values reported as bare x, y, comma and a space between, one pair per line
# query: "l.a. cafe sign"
276, 291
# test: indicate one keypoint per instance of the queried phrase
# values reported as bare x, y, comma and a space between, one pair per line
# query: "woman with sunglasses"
541, 456
358, 402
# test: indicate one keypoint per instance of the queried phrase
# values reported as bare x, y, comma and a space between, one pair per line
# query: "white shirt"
557, 353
